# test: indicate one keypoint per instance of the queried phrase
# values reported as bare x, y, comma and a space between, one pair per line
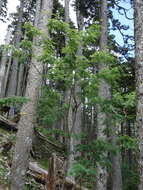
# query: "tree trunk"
139, 78
6, 77
67, 3
68, 120
116, 165
73, 98
28, 119
12, 87
1, 1
20, 79
104, 92
3, 63
22, 76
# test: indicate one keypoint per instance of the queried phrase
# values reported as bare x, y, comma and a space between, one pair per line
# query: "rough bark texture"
67, 11
68, 120
12, 87
0, 6
6, 77
104, 92
139, 81
116, 166
3, 63
27, 121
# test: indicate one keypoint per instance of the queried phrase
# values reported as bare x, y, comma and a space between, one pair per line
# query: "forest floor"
7, 140
45, 154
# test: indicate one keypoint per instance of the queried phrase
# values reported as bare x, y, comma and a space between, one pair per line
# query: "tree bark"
104, 92
138, 5
116, 165
1, 1
67, 19
68, 120
26, 124
42, 176
3, 63
12, 87
6, 77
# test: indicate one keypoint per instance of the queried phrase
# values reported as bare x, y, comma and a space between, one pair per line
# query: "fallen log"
7, 124
10, 125
41, 176
57, 146
37, 172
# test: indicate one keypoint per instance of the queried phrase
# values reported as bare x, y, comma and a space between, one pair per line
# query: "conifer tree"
27, 122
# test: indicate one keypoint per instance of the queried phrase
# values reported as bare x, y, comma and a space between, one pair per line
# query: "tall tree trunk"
3, 63
139, 78
73, 99
6, 77
68, 99
20, 79
104, 92
21, 74
28, 119
12, 87
116, 165
67, 4
1, 1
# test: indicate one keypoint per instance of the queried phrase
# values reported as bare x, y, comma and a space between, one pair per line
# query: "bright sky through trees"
129, 22
12, 4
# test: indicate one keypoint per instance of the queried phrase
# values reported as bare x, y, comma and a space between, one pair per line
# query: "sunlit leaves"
103, 57
13, 100
127, 142
91, 35
30, 30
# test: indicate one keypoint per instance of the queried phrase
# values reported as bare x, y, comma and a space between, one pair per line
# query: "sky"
124, 21
12, 4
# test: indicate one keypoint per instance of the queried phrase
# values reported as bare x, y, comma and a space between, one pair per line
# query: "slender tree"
72, 97
116, 163
139, 78
104, 93
0, 5
3, 63
12, 89
27, 122
67, 4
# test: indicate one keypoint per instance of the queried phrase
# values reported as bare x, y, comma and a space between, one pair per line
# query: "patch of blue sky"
124, 21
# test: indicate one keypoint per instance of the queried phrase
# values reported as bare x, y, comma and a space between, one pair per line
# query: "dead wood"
42, 176
10, 125
39, 174
7, 124
59, 148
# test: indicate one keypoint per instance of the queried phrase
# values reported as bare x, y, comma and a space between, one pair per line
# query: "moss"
43, 163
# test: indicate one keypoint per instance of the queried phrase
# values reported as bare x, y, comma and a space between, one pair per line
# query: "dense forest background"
71, 96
